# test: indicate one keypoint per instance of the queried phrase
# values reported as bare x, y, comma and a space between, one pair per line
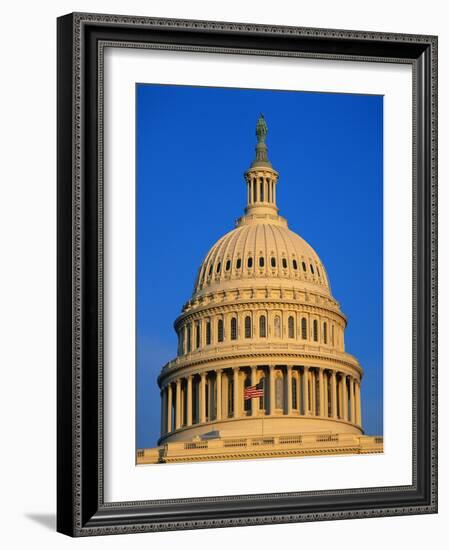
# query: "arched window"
247, 326
220, 331
284, 263
261, 190
208, 333
291, 327
295, 265
218, 267
325, 332
277, 327
228, 265
304, 267
311, 269
294, 393
315, 330
304, 328
279, 390
234, 328
273, 261
210, 269
250, 262
261, 261
189, 339
198, 335
318, 271
239, 263
332, 335
262, 326
254, 190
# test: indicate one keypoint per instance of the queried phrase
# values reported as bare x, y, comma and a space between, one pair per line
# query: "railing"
290, 439
327, 438
255, 347
196, 445
235, 443
243, 442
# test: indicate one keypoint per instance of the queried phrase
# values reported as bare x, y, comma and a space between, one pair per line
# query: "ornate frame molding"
81, 507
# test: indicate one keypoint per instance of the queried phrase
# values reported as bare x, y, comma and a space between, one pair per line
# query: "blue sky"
193, 146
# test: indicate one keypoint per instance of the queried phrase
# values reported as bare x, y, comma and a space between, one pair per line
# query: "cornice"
259, 304
346, 363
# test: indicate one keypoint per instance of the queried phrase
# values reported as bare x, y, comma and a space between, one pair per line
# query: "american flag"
253, 391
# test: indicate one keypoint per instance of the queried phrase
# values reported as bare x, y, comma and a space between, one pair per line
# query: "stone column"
189, 400
236, 392
345, 396
351, 396
218, 383
321, 391
312, 392
163, 410
178, 404
289, 389
305, 390
358, 408
334, 394
326, 394
254, 402
271, 396
340, 397
203, 398
169, 408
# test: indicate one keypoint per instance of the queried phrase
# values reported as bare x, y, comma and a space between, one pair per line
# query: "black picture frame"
81, 509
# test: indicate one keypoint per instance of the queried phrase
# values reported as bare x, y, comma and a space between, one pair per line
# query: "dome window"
318, 271
228, 265
234, 328
250, 262
325, 332
210, 270
263, 326
291, 327
284, 263
198, 335
295, 264
247, 326
312, 270
220, 334
239, 263
304, 267
189, 339
315, 330
218, 267
208, 333
273, 261
261, 261
304, 328
294, 393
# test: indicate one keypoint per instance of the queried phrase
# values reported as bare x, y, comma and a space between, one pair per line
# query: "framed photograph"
247, 288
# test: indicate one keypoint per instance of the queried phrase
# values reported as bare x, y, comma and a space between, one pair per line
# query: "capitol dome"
261, 362
261, 252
